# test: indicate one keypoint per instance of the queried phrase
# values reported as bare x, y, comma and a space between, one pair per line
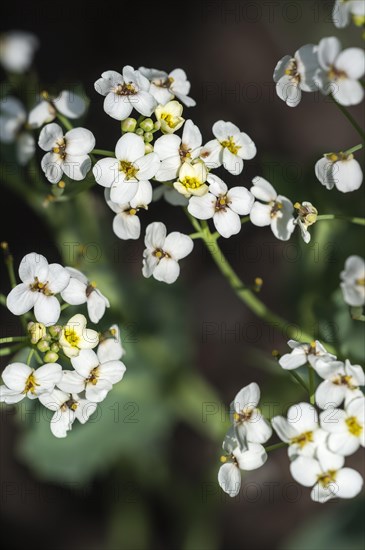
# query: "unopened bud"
139, 132
129, 125
37, 331
148, 148
43, 346
55, 331
55, 347
50, 357
147, 125
148, 137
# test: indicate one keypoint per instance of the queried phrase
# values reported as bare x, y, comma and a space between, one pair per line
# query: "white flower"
304, 353
249, 424
22, 381
76, 337
340, 170
123, 173
67, 408
125, 93
92, 375
67, 103
40, 282
344, 10
326, 475
163, 252
341, 71
229, 475
169, 117
353, 281
296, 74
80, 291
173, 151
17, 50
230, 148
110, 346
346, 427
68, 153
165, 87
307, 216
126, 223
223, 205
170, 195
191, 179
12, 123
300, 430
276, 212
341, 381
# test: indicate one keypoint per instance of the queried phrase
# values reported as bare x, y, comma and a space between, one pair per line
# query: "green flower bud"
147, 125
129, 125
43, 346
139, 132
37, 331
50, 357
148, 148
55, 331
55, 347
157, 125
148, 137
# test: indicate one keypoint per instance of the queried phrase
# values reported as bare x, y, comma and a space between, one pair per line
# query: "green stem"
197, 235
356, 221
10, 349
280, 445
350, 118
10, 339
299, 379
2, 300
9, 263
67, 124
246, 295
103, 153
353, 149
30, 355
311, 385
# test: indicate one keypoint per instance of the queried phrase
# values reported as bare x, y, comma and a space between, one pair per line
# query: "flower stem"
311, 385
67, 124
9, 262
356, 221
280, 445
30, 355
10, 339
353, 149
299, 379
103, 153
10, 349
2, 300
350, 118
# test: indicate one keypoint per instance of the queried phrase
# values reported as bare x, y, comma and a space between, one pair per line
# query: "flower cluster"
71, 394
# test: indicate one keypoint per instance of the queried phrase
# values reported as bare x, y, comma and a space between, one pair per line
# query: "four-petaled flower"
346, 427
341, 381
303, 353
165, 87
67, 103
13, 118
17, 49
22, 381
169, 117
76, 337
353, 281
339, 170
192, 179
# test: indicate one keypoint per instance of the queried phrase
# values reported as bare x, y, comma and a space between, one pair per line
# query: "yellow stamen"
302, 439
223, 459
231, 145
353, 426
326, 478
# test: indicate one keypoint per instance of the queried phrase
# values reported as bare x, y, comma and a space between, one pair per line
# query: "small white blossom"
165, 87
294, 75
80, 291
76, 337
67, 153
126, 223
22, 381
353, 281
123, 173
307, 216
326, 475
229, 475
341, 382
249, 424
67, 103
110, 346
173, 151
230, 148
345, 10
17, 50
12, 129
192, 179
92, 374
300, 430
341, 71
346, 427
169, 117
339, 170
222, 205
163, 252
40, 282
67, 408
125, 92
302, 354
277, 210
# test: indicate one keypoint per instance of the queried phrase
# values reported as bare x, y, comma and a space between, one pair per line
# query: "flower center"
302, 439
360, 282
184, 152
72, 337
30, 384
292, 71
353, 426
163, 82
38, 286
70, 404
221, 203
191, 182
335, 74
307, 214
125, 89
276, 208
327, 477
231, 145
244, 415
94, 375
60, 148
128, 168
159, 254
90, 288
344, 380
169, 119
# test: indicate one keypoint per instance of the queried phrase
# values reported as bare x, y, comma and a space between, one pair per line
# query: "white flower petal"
227, 223
71, 382
202, 208
328, 50
260, 214
47, 310
42, 113
166, 271
75, 292
252, 458
352, 62
20, 300
108, 80
293, 360
79, 141
58, 278
229, 479
61, 422
106, 171
147, 166
52, 166
113, 371
263, 190
96, 305
127, 226
84, 363
129, 148
49, 136
70, 104
155, 235
248, 396
232, 163
348, 92
178, 245
15, 376
305, 470
349, 483
240, 200
117, 106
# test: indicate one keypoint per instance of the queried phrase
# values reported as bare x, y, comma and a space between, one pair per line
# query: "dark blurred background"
144, 474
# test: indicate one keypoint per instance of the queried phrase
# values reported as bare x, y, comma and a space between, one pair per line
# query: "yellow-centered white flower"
76, 337
23, 381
